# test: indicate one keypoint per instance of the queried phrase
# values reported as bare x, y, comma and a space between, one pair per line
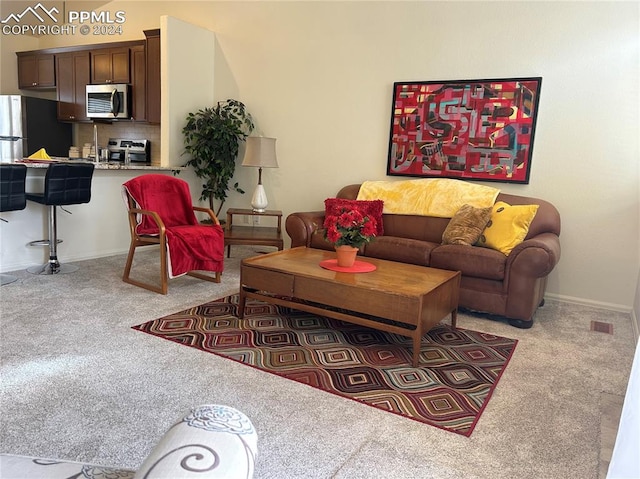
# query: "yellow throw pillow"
507, 227
466, 225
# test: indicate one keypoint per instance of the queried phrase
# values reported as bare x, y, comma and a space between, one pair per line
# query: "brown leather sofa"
510, 287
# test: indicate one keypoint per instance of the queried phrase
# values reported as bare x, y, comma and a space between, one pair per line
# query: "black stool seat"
12, 181
12, 197
64, 184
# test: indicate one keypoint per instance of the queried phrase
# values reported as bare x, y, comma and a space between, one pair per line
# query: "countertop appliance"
112, 101
28, 124
139, 150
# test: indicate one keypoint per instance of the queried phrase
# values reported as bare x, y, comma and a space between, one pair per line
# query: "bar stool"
64, 184
12, 198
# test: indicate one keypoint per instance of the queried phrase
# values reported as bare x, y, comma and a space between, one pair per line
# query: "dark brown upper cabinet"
153, 75
36, 71
138, 83
73, 72
110, 65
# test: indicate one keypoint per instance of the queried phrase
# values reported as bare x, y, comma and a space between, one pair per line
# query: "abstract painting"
465, 129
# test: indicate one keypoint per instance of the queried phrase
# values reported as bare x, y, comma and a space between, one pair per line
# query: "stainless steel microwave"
109, 101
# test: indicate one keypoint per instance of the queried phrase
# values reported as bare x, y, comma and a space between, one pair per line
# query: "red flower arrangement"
349, 227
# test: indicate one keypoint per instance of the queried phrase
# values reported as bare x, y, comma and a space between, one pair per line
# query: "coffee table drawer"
265, 280
380, 304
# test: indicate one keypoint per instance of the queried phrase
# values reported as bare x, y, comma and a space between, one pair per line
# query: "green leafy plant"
212, 137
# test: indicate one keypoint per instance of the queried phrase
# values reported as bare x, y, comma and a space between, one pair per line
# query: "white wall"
187, 66
318, 77
585, 157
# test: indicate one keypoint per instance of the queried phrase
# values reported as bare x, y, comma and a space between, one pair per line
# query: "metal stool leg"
53, 266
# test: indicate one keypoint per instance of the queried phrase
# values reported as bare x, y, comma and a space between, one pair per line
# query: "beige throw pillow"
466, 226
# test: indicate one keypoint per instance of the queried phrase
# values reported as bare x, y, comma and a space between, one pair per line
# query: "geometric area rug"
459, 368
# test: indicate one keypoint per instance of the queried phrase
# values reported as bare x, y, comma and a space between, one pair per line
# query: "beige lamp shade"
260, 152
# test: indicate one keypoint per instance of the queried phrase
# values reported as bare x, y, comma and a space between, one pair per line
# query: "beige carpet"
78, 383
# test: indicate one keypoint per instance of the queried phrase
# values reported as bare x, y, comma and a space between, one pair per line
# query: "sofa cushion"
470, 261
318, 241
507, 227
425, 228
370, 208
466, 225
403, 250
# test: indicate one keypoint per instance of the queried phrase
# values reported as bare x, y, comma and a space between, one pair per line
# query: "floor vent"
601, 327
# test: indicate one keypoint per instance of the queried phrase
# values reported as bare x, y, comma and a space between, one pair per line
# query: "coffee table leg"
417, 342
454, 317
241, 303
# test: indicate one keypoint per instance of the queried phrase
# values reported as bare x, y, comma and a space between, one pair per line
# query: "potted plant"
349, 229
212, 137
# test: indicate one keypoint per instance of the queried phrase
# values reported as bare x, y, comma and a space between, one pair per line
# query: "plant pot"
346, 256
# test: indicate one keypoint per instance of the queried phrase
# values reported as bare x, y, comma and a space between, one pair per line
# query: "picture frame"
464, 129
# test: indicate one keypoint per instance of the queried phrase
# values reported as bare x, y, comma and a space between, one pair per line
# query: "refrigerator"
28, 124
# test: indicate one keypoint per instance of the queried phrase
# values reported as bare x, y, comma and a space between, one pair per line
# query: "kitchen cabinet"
153, 75
110, 65
36, 70
69, 69
138, 83
73, 72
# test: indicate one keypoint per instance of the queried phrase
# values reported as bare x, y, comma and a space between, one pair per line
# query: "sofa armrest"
535, 257
301, 226
210, 441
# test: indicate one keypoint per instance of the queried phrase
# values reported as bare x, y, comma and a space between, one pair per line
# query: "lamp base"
259, 200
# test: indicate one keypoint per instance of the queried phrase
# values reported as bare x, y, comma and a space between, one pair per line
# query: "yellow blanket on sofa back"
440, 197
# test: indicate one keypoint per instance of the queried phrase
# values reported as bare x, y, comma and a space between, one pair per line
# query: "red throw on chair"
161, 212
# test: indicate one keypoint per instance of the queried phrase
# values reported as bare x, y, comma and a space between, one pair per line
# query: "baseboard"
12, 267
635, 324
588, 302
103, 254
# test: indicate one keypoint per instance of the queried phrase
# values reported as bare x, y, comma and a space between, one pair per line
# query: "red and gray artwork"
469, 129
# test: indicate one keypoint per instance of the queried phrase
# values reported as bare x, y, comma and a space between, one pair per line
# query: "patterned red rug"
459, 369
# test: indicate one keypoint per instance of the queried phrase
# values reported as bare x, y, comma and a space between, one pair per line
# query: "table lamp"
260, 152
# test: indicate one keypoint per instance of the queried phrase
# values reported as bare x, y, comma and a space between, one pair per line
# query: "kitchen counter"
95, 229
103, 165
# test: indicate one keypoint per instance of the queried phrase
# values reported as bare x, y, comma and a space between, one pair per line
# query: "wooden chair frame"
160, 239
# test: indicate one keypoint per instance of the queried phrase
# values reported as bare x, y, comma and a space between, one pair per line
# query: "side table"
252, 235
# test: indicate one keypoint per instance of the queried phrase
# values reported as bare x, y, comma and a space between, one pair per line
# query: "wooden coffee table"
398, 298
